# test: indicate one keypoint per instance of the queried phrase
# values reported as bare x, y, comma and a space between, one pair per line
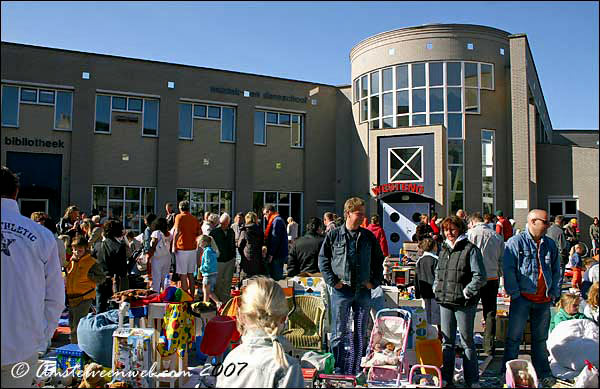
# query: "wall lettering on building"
398, 187
264, 95
36, 142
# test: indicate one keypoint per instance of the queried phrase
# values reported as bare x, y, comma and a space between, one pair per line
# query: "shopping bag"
588, 378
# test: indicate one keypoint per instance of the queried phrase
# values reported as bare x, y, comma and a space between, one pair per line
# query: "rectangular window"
126, 204
402, 102
563, 206
453, 73
203, 200
103, 115
454, 99
10, 106
214, 112
356, 90
388, 122
119, 103
455, 125
260, 135
388, 104
436, 99
418, 120
374, 83
456, 178
199, 111
29, 95
471, 99
388, 83
418, 100
228, 125
471, 74
284, 119
487, 171
374, 107
436, 74
401, 76
364, 110
487, 76
134, 104
455, 152
297, 131
286, 204
418, 74
272, 118
456, 202
150, 118
46, 96
436, 118
402, 121
364, 86
63, 110
185, 121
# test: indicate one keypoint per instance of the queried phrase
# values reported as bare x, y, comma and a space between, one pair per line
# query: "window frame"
96, 114
563, 200
142, 113
234, 129
264, 128
420, 178
207, 105
144, 117
276, 204
18, 103
179, 137
301, 123
71, 113
290, 126
124, 201
493, 166
34, 102
205, 196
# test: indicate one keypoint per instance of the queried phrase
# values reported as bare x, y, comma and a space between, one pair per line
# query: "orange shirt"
188, 228
540, 294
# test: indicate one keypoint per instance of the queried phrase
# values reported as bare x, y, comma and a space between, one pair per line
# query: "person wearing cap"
503, 226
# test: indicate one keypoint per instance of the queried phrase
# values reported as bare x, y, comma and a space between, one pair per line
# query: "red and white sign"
398, 187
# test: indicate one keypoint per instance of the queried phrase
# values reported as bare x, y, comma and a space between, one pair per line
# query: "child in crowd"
568, 306
83, 273
208, 268
261, 319
425, 274
591, 307
576, 265
159, 253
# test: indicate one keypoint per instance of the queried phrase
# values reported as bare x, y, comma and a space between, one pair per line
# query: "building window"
487, 76
286, 204
12, 96
260, 128
185, 121
127, 204
63, 110
487, 171
188, 112
280, 119
10, 106
206, 200
106, 105
405, 164
566, 206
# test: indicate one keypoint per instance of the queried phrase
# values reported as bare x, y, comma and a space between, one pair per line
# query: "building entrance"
40, 178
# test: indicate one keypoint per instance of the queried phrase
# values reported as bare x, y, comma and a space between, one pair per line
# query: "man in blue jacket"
351, 262
276, 241
531, 278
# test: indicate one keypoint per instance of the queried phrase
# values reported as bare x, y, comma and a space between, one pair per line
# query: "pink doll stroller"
380, 366
520, 374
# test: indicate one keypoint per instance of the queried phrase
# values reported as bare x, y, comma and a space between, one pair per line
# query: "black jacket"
424, 277
250, 243
304, 256
225, 241
112, 257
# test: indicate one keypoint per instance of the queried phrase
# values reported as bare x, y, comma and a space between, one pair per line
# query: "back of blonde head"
264, 307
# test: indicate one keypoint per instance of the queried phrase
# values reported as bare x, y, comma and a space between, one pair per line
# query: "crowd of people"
463, 260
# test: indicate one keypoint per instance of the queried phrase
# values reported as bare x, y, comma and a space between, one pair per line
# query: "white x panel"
417, 154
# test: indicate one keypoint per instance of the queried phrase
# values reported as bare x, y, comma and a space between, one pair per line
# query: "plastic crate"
70, 356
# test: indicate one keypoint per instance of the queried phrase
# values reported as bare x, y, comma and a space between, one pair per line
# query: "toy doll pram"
388, 329
513, 380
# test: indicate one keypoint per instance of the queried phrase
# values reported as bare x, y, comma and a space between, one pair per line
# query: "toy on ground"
335, 381
92, 376
388, 332
425, 380
429, 353
520, 374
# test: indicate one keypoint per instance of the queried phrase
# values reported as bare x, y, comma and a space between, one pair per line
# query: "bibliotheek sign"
35, 142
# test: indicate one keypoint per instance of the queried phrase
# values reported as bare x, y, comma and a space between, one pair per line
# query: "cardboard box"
133, 352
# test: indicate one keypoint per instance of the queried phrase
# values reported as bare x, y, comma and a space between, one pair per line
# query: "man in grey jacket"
557, 234
491, 245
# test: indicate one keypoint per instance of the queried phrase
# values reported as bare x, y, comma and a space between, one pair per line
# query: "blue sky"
311, 40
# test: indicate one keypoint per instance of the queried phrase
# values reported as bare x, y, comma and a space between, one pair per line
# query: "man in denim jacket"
531, 278
351, 262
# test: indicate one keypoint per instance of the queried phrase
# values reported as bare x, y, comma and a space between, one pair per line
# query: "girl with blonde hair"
260, 360
568, 309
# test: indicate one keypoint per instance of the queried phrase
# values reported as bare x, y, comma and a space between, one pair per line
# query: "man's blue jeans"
539, 315
465, 318
348, 347
276, 268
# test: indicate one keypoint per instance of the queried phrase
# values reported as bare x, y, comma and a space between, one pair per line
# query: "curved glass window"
401, 76
418, 75
436, 99
418, 100
436, 74
388, 82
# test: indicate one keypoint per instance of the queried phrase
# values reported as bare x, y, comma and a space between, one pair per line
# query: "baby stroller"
386, 367
520, 374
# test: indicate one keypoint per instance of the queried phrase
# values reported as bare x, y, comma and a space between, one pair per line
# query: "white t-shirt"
164, 242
